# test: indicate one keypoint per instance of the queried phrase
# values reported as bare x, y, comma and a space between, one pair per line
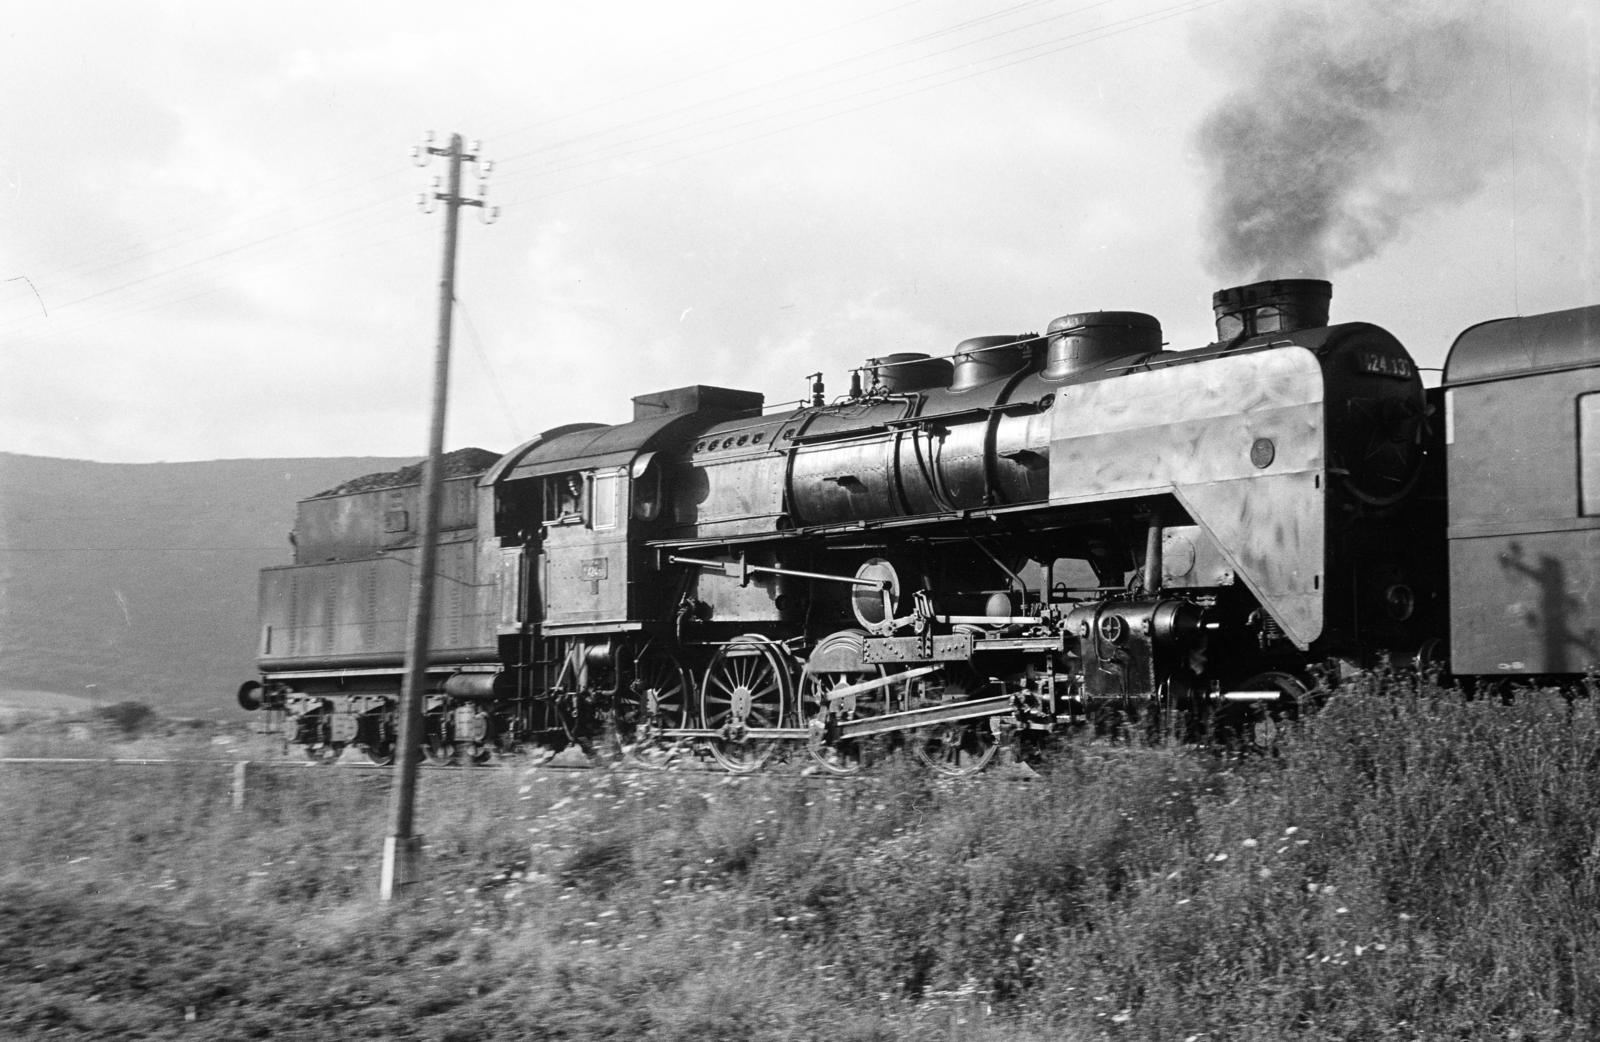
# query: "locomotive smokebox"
1277, 306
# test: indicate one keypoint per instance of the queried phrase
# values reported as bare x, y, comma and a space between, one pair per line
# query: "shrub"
131, 718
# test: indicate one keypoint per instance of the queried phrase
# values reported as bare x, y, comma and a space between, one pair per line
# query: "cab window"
604, 507
564, 499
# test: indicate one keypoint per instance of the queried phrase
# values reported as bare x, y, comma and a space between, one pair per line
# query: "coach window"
1589, 454
605, 502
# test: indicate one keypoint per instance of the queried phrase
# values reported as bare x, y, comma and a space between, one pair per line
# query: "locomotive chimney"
1276, 306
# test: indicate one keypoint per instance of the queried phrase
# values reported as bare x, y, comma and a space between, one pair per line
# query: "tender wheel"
837, 663
440, 754
747, 685
956, 749
382, 755
324, 752
662, 689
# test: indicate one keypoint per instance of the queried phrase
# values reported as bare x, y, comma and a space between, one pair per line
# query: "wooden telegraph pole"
402, 848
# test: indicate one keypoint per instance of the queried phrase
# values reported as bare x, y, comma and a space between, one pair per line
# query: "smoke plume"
1349, 119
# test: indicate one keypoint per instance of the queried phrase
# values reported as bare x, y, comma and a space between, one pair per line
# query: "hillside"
138, 581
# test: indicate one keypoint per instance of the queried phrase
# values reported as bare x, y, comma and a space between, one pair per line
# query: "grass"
1411, 865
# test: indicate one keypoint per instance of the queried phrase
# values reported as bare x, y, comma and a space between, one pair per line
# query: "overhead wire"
800, 75
206, 229
702, 73
493, 377
1056, 46
792, 118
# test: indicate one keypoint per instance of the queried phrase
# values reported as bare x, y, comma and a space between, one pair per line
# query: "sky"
211, 244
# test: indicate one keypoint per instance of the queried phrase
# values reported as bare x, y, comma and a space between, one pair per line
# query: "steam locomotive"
1039, 535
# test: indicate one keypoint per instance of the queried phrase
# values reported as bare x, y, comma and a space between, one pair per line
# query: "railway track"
798, 771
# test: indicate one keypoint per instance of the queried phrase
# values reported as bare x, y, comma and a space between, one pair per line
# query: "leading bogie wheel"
747, 685
1261, 725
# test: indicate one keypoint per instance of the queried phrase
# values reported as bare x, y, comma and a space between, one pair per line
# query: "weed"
1412, 863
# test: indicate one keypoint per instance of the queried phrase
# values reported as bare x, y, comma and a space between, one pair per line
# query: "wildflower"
1249, 844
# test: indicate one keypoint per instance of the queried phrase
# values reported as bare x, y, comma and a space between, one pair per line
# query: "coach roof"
1512, 347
